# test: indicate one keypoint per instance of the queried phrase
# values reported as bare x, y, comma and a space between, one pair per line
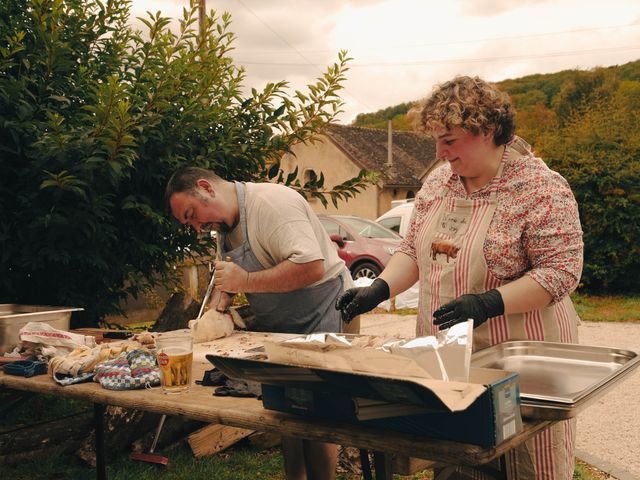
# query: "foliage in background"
94, 116
379, 119
586, 126
591, 135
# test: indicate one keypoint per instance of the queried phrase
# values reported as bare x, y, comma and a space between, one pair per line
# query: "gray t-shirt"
282, 226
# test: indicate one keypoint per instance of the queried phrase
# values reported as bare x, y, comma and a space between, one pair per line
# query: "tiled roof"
367, 147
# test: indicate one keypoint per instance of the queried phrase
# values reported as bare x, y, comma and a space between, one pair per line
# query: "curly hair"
469, 103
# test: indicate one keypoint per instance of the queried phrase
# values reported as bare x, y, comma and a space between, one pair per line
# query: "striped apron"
449, 249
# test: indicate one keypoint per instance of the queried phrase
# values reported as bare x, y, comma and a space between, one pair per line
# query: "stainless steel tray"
557, 380
14, 316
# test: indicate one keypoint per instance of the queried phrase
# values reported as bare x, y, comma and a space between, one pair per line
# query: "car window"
333, 228
368, 228
392, 223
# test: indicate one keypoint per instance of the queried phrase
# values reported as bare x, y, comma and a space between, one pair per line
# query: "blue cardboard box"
400, 404
489, 420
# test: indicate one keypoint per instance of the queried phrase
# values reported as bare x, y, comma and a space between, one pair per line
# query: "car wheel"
366, 270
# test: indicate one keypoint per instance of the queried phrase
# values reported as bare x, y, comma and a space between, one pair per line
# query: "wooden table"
199, 404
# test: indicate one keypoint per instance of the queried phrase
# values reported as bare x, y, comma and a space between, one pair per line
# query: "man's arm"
284, 277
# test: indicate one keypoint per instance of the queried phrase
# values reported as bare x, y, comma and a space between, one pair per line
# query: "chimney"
389, 143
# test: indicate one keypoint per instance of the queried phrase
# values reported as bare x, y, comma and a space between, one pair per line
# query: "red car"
364, 245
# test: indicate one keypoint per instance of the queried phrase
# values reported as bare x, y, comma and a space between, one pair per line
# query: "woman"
495, 236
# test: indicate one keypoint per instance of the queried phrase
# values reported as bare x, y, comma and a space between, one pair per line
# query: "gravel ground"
608, 435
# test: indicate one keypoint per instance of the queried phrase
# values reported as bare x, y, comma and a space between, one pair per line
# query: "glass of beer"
175, 358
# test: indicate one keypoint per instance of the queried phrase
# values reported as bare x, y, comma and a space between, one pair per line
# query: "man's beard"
209, 227
224, 228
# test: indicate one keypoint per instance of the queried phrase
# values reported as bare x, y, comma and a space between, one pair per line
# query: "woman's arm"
400, 273
523, 295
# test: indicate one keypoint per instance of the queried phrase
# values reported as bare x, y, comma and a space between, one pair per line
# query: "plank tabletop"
199, 403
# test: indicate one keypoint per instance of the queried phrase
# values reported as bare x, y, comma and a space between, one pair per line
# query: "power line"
462, 60
284, 40
462, 42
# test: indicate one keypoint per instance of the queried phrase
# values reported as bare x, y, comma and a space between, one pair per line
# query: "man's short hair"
185, 180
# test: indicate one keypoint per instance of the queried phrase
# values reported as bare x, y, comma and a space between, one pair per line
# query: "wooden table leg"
384, 465
365, 465
98, 422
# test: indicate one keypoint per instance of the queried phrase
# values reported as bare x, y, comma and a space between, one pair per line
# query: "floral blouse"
535, 230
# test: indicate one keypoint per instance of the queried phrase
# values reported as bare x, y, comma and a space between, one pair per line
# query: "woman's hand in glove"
355, 301
478, 307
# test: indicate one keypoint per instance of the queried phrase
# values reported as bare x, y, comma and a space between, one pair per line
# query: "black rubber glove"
355, 301
477, 306
212, 378
239, 388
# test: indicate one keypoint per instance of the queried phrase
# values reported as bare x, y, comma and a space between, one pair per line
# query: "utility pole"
389, 143
202, 14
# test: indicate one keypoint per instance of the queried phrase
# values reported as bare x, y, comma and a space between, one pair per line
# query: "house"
342, 151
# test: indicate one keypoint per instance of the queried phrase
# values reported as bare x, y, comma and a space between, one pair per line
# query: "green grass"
607, 308
239, 463
235, 464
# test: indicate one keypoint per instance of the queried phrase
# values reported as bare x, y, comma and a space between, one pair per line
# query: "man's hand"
230, 277
220, 300
355, 301
478, 307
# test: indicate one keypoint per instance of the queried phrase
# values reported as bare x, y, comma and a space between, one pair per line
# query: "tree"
598, 152
94, 116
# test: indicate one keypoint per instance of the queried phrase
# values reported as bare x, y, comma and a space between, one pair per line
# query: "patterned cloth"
129, 371
535, 230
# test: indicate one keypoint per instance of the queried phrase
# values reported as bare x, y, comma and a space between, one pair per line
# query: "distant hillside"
380, 118
543, 89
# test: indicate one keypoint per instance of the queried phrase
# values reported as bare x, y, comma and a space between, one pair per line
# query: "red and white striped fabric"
449, 241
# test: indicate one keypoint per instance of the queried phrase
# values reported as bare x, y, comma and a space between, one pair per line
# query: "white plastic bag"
44, 334
51, 342
407, 299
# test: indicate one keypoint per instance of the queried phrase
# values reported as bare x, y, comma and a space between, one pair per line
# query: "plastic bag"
51, 341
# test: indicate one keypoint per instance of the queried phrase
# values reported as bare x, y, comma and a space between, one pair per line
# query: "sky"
401, 49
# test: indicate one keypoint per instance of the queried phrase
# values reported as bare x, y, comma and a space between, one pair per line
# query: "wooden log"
174, 431
122, 427
215, 438
176, 314
264, 440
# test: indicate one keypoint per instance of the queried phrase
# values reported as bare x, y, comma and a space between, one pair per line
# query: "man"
281, 258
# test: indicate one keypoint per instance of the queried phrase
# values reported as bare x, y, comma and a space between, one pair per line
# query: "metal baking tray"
14, 316
557, 380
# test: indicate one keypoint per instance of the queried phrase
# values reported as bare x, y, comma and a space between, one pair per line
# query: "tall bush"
95, 115
598, 152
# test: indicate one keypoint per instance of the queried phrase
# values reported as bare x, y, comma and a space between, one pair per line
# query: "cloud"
493, 7
401, 48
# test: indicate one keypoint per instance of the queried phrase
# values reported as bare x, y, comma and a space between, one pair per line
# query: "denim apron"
306, 310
